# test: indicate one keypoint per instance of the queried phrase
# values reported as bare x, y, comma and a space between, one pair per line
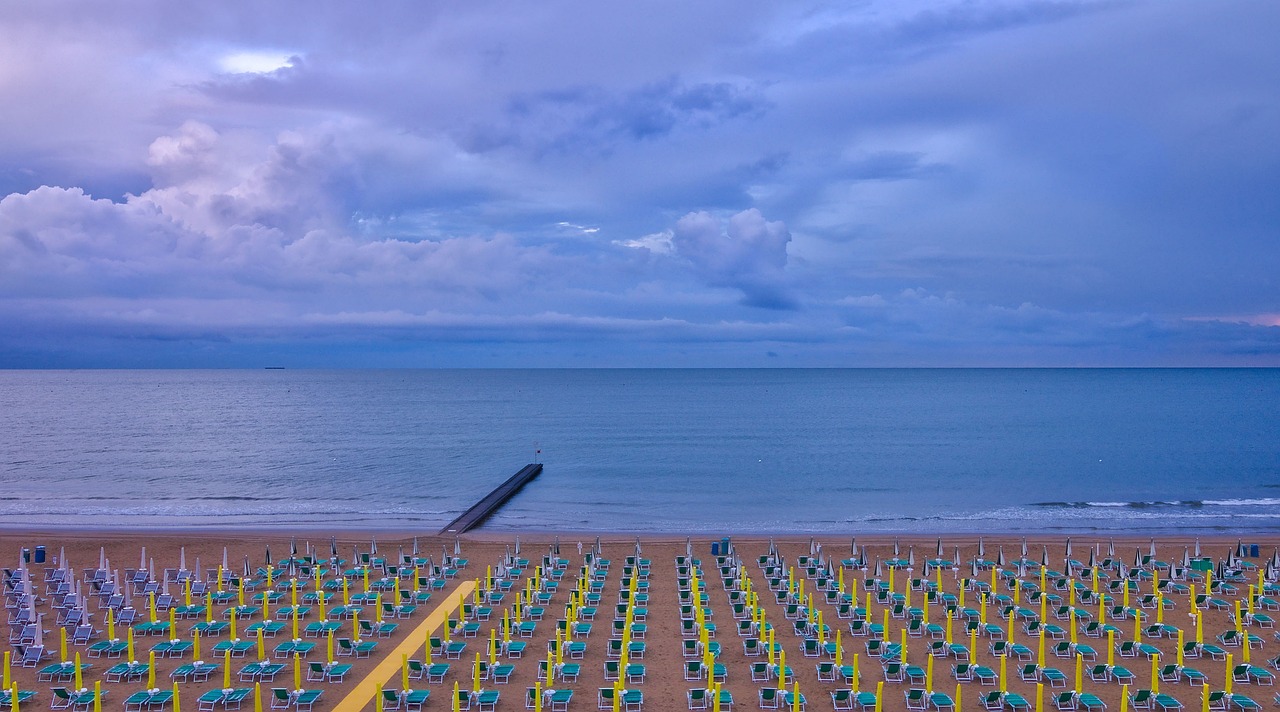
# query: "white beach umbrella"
151, 569
955, 563
1197, 553
1044, 557
415, 547
1186, 557
102, 558
1111, 548
197, 572
225, 566
457, 546
1068, 547
267, 557
911, 555
1153, 550
1091, 561
940, 554
373, 546
1024, 547
1275, 558
333, 546
182, 559
1000, 557
39, 639
62, 559
1137, 558
518, 544
895, 547
879, 569
142, 564
982, 548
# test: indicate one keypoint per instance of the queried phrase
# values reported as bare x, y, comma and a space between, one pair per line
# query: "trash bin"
39, 555
1203, 564
1253, 551
715, 548
724, 546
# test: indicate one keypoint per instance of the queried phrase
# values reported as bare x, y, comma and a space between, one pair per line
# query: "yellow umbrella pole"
226, 669
195, 644
176, 702
151, 670
1124, 698
79, 673
297, 671
1039, 697
8, 668
257, 697
97, 696
62, 645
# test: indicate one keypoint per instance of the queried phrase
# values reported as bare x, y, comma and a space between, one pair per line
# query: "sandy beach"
664, 686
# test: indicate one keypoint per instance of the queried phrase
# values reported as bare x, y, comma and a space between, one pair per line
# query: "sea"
654, 451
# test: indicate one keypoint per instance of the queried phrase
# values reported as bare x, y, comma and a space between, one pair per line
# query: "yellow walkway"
364, 692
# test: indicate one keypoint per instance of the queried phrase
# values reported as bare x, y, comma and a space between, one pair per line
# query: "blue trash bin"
1253, 551
715, 548
39, 555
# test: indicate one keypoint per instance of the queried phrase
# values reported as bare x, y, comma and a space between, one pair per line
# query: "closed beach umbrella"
1068, 548
895, 547
1024, 547
982, 548
1000, 557
939, 548
267, 558
1044, 558
102, 558
911, 556
1197, 553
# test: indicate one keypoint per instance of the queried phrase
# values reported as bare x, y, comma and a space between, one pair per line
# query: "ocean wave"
1149, 504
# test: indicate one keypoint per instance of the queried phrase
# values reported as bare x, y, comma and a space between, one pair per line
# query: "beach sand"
664, 687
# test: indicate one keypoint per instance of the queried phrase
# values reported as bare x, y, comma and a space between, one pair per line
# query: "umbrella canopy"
911, 555
267, 558
1000, 556
1068, 547
1044, 557
939, 548
895, 547
1024, 547
1197, 552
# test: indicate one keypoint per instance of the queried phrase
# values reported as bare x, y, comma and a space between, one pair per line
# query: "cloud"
1062, 182
745, 252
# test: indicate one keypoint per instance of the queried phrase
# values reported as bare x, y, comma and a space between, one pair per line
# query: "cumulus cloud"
746, 252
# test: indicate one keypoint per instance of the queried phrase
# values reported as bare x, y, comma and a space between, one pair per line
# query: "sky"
581, 184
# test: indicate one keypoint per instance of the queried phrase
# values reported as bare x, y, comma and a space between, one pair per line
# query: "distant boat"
275, 368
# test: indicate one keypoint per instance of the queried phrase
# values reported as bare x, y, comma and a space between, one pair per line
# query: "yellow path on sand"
365, 690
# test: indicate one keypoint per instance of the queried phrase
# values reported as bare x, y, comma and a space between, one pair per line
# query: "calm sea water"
648, 450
